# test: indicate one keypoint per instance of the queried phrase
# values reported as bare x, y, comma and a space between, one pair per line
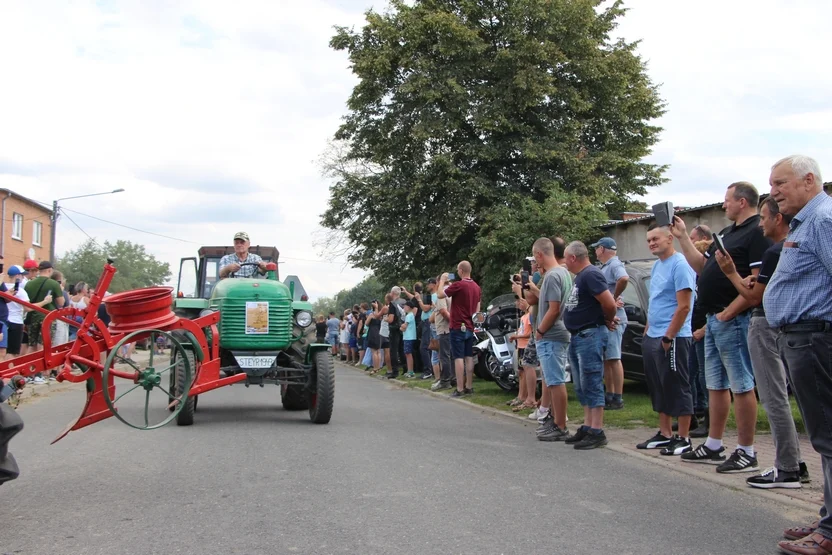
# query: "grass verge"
637, 411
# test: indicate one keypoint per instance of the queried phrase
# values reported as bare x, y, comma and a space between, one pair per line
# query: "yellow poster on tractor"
257, 318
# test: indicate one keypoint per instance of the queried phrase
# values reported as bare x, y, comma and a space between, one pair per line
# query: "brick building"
26, 231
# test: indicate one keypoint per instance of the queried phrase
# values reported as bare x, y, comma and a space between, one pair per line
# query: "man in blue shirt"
667, 340
333, 327
606, 251
242, 263
797, 301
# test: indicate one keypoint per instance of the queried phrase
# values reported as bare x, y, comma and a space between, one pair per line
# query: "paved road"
395, 472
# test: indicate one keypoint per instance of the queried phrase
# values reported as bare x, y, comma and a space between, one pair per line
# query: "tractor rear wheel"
186, 415
322, 395
294, 397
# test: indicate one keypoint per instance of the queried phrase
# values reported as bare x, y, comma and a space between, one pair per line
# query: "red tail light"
304, 297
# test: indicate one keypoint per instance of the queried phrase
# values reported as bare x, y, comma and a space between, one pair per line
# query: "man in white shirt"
242, 263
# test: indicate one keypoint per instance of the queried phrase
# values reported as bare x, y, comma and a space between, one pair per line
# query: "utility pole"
53, 233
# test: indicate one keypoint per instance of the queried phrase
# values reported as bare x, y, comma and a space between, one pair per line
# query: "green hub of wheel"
148, 379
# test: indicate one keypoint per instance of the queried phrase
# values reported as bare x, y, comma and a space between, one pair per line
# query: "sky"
212, 115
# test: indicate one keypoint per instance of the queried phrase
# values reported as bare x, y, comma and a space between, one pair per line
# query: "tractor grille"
233, 326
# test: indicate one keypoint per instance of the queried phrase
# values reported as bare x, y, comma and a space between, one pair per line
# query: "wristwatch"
667, 340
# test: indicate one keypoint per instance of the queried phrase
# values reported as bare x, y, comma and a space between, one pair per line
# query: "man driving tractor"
242, 263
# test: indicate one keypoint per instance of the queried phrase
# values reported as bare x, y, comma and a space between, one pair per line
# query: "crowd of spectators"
732, 315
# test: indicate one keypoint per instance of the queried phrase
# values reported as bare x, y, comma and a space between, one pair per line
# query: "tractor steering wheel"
234, 274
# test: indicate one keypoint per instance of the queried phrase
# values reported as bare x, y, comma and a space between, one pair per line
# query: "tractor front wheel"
322, 395
186, 415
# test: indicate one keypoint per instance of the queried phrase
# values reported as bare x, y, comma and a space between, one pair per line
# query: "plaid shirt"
800, 288
244, 271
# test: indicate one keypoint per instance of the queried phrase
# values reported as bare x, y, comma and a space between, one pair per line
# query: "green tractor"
266, 330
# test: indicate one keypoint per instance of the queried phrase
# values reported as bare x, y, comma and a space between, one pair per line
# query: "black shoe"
579, 435
702, 429
457, 393
592, 441
739, 461
427, 376
804, 474
677, 446
703, 455
467, 391
614, 405
773, 478
391, 376
546, 425
656, 442
554, 433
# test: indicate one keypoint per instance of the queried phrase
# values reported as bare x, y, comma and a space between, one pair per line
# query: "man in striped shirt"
798, 302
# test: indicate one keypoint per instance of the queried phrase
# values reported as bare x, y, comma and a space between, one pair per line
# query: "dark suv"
636, 299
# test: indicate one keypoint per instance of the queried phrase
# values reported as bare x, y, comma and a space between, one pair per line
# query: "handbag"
433, 345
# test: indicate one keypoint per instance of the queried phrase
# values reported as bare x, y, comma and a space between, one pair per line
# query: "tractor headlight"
206, 312
303, 318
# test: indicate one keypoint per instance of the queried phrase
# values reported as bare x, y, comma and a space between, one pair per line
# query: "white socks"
713, 444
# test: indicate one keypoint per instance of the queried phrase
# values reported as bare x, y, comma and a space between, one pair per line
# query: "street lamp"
55, 217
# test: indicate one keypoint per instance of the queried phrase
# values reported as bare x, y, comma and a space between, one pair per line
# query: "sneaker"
546, 424
676, 446
391, 376
739, 461
457, 393
703, 455
578, 436
468, 391
804, 474
427, 375
536, 414
591, 441
773, 478
614, 405
439, 386
38, 381
410, 375
554, 433
656, 442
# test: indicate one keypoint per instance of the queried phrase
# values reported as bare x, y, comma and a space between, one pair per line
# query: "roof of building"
36, 204
680, 210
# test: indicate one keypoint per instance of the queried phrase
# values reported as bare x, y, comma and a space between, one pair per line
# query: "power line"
129, 227
82, 230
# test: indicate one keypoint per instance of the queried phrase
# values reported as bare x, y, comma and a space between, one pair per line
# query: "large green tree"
136, 268
470, 113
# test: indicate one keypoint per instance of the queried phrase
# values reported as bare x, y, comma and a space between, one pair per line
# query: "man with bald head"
466, 295
797, 302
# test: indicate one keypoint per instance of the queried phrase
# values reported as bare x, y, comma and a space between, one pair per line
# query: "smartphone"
719, 243
451, 276
527, 265
664, 213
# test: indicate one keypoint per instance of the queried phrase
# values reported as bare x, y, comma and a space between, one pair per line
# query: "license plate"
255, 362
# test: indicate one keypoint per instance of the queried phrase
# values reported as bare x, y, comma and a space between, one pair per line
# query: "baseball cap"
44, 265
606, 242
30, 265
432, 281
241, 235
15, 271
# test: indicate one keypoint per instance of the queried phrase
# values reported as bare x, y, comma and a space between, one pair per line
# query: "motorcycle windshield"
501, 303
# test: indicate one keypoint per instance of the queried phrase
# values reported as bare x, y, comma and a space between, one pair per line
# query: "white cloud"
239, 99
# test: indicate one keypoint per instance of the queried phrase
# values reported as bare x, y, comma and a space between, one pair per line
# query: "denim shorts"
434, 355
332, 338
410, 345
353, 343
727, 362
462, 344
552, 356
586, 361
614, 337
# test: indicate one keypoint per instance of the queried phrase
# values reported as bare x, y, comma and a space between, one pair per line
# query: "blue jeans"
552, 356
586, 359
696, 364
727, 362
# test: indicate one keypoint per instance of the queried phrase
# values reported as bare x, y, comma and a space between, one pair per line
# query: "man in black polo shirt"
727, 361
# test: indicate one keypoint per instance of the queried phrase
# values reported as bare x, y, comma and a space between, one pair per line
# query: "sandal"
514, 402
800, 532
522, 407
815, 543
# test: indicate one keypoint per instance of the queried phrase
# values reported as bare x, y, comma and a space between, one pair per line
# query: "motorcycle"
495, 355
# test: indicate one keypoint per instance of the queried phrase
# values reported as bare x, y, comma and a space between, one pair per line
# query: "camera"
527, 265
417, 288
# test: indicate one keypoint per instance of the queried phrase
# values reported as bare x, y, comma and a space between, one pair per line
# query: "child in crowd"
409, 336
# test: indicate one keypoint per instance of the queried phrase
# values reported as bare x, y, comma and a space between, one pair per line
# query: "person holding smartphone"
43, 289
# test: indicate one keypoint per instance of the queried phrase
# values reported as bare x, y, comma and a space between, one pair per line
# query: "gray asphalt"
394, 472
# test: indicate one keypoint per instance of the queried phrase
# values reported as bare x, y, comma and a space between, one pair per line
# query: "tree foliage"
473, 117
136, 268
367, 290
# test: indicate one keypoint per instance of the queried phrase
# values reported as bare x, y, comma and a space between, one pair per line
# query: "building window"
37, 234
17, 226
